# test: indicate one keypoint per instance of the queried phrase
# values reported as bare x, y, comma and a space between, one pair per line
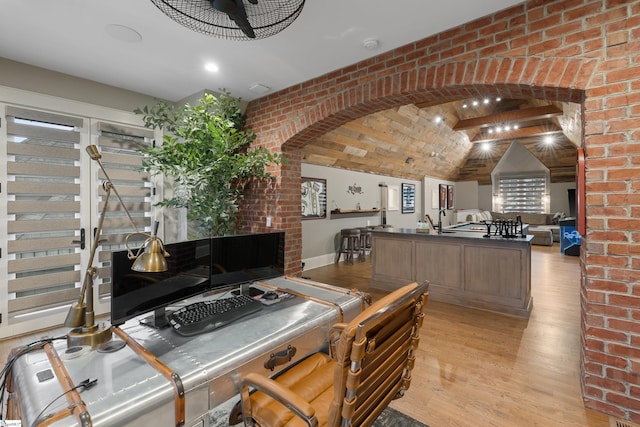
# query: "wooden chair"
370, 364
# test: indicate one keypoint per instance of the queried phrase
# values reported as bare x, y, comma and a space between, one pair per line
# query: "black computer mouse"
270, 295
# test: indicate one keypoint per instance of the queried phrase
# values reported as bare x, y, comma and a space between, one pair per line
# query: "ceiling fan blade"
237, 13
241, 19
225, 6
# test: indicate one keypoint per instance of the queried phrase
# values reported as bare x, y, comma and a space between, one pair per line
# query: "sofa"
539, 225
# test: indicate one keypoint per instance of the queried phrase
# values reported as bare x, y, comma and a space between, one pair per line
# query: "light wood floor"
475, 368
481, 369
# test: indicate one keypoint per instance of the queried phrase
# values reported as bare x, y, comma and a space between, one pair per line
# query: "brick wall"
576, 50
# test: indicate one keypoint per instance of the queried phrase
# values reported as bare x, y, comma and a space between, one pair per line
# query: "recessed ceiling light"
548, 139
123, 33
485, 146
211, 67
475, 103
486, 100
438, 119
465, 105
498, 99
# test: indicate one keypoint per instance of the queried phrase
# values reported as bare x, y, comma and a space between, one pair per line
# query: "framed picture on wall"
408, 198
450, 199
442, 200
314, 198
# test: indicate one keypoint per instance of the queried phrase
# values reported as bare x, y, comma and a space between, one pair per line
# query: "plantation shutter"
49, 203
523, 194
43, 209
119, 147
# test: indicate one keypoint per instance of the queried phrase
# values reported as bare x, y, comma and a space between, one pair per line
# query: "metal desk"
130, 391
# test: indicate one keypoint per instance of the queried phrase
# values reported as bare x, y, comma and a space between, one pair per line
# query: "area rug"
392, 418
389, 418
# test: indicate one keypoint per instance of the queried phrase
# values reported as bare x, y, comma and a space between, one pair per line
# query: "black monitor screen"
246, 258
135, 293
195, 267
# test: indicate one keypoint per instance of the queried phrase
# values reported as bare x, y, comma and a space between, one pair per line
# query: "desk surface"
131, 392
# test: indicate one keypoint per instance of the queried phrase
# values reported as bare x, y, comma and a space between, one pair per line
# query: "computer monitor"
195, 267
246, 258
134, 293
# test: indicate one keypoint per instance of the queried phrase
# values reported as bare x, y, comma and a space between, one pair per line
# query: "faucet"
441, 213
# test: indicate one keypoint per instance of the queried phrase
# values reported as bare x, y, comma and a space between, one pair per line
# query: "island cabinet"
463, 268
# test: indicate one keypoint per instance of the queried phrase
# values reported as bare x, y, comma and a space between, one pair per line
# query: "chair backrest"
375, 356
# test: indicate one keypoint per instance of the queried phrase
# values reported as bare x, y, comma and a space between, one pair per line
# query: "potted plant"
206, 153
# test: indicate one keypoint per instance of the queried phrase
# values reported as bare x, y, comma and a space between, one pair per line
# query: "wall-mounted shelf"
355, 212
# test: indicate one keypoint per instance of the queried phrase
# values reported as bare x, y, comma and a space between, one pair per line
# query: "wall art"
442, 200
450, 198
314, 198
355, 189
408, 198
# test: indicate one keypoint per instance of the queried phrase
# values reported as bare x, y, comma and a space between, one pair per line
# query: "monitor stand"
251, 291
158, 320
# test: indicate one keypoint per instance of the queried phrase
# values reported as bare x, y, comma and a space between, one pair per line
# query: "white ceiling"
70, 36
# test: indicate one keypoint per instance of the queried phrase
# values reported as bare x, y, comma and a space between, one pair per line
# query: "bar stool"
365, 240
349, 244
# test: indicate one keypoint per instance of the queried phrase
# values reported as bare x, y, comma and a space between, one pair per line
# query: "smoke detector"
259, 88
370, 44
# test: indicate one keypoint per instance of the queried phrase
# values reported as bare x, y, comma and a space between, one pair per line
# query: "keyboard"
205, 316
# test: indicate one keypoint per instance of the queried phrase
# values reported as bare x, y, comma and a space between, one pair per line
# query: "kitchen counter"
462, 267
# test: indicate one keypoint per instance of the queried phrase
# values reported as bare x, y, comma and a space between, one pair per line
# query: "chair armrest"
278, 392
334, 337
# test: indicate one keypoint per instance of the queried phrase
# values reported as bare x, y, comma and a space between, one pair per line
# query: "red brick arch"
318, 110
553, 79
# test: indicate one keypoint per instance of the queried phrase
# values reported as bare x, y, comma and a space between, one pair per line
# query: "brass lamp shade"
152, 260
76, 315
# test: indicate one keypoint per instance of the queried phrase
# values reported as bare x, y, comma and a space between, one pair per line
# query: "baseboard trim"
319, 261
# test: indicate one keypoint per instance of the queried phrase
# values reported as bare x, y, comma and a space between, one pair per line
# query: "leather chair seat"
312, 379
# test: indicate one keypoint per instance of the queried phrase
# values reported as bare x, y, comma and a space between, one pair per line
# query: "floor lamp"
150, 257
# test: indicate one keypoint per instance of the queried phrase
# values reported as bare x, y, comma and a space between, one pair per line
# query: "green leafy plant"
206, 152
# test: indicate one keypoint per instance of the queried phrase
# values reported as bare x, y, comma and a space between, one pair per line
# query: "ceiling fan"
233, 19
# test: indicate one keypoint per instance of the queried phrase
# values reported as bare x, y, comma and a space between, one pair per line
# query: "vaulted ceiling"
456, 141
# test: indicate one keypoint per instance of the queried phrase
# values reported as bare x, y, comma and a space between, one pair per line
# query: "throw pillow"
557, 217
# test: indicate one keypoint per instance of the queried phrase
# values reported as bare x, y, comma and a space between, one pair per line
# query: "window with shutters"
43, 210
53, 197
119, 147
524, 193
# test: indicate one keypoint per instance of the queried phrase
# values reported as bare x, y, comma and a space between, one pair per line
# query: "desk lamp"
150, 257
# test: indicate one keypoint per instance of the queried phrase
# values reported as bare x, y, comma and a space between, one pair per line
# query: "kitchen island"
462, 267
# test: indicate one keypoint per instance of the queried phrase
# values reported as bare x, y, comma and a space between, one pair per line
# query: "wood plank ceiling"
411, 142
